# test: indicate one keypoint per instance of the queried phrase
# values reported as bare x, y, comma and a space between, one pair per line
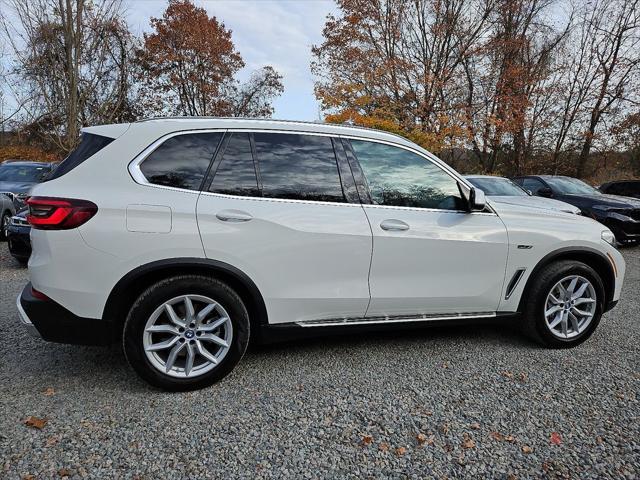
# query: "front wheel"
564, 304
4, 225
186, 332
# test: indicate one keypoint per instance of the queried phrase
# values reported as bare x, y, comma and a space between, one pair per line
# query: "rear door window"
181, 161
296, 166
90, 144
532, 184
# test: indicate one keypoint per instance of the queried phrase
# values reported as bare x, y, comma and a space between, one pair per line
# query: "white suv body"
309, 225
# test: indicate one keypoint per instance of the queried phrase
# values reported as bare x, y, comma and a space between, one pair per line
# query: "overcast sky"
266, 32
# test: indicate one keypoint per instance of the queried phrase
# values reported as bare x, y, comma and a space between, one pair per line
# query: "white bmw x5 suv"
184, 238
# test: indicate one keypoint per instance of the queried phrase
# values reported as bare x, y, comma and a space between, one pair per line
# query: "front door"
430, 256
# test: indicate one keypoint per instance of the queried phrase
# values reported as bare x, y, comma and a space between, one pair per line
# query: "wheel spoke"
162, 345
554, 309
574, 323
565, 323
210, 327
556, 321
572, 286
173, 316
554, 299
188, 306
580, 291
173, 355
580, 301
205, 353
191, 355
202, 314
209, 337
580, 312
163, 329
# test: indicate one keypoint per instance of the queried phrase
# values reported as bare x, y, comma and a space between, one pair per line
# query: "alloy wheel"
187, 336
570, 306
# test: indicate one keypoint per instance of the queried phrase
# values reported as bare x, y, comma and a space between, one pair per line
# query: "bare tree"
73, 60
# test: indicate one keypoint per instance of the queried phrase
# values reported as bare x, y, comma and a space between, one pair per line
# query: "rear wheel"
186, 332
564, 304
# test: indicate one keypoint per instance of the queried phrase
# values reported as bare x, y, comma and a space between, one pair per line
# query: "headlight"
609, 237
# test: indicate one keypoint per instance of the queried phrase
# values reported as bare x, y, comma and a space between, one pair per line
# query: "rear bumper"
54, 323
624, 228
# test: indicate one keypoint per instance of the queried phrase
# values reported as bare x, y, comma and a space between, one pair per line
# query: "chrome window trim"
139, 178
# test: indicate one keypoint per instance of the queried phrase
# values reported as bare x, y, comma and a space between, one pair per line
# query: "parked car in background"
18, 231
504, 190
7, 210
620, 214
17, 177
625, 188
182, 238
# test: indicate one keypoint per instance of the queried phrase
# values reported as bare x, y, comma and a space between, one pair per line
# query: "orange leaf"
475, 426
49, 392
526, 449
497, 436
35, 422
383, 447
468, 442
367, 439
401, 451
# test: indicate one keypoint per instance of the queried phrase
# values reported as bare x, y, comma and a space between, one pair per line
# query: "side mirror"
545, 192
529, 192
477, 200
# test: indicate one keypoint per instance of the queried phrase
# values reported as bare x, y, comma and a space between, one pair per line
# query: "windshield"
22, 173
570, 186
498, 186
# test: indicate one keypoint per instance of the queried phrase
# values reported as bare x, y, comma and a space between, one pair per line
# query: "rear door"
275, 208
430, 256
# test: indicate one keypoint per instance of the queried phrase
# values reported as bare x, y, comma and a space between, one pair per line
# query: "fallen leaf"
555, 438
510, 438
49, 392
507, 374
497, 436
444, 428
445, 365
35, 422
511, 476
421, 438
522, 377
401, 451
468, 442
64, 472
475, 426
367, 439
28, 476
526, 449
383, 447
51, 441
599, 440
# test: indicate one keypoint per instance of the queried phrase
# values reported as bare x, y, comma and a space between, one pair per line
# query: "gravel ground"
439, 402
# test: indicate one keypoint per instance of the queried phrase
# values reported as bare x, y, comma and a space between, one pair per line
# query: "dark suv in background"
627, 188
620, 214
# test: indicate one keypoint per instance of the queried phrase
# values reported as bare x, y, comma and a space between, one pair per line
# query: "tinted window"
401, 178
301, 167
236, 174
532, 184
90, 144
181, 161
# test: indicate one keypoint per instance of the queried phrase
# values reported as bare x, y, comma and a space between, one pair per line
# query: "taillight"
47, 213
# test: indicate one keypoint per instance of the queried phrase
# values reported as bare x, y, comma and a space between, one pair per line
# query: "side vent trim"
513, 283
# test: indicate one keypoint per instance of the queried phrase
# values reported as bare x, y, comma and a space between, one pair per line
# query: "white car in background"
503, 190
184, 238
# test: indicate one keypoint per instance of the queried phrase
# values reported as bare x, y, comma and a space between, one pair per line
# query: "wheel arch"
589, 256
135, 282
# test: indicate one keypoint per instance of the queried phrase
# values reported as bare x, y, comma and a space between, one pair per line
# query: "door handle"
393, 225
233, 216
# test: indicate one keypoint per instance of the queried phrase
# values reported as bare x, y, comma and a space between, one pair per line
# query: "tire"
5, 218
535, 322
141, 329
